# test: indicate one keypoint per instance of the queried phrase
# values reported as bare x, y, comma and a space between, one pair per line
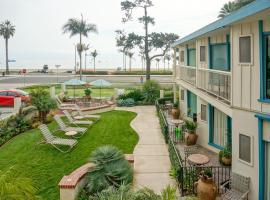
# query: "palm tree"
157, 60
94, 54
7, 30
85, 49
82, 28
232, 6
130, 55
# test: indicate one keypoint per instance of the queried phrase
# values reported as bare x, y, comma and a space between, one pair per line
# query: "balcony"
188, 74
215, 82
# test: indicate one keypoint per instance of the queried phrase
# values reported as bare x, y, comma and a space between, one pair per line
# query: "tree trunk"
130, 64
85, 61
94, 64
146, 47
80, 55
7, 67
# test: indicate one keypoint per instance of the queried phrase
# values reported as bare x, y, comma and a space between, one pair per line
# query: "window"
245, 49
219, 57
191, 57
12, 94
192, 104
203, 112
182, 56
3, 93
182, 95
267, 65
245, 148
202, 54
220, 128
267, 170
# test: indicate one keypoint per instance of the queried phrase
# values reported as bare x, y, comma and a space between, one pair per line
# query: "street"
10, 82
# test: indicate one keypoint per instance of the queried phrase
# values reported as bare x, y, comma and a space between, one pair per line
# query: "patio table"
198, 159
71, 133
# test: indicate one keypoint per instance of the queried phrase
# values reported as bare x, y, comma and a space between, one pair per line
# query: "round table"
198, 159
177, 121
71, 133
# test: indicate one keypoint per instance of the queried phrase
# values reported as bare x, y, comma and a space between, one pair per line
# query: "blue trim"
264, 100
189, 105
228, 51
187, 61
263, 116
209, 53
261, 160
262, 82
246, 11
216, 146
210, 123
229, 131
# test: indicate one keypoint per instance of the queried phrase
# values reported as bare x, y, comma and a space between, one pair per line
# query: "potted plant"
226, 156
87, 93
175, 110
191, 136
206, 187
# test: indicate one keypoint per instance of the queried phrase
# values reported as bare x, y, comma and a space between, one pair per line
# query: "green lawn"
46, 166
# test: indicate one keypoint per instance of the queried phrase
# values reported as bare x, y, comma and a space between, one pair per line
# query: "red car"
7, 97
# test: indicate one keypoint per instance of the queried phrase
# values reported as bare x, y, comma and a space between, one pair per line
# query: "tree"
150, 41
168, 58
82, 28
14, 186
130, 55
7, 30
232, 6
94, 54
157, 60
85, 49
40, 98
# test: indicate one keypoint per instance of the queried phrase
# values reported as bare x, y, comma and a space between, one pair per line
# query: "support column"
52, 92
63, 87
174, 92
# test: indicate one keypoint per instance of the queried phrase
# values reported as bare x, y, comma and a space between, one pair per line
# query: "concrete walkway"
151, 157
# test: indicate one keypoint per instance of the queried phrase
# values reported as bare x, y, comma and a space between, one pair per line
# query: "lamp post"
75, 57
57, 67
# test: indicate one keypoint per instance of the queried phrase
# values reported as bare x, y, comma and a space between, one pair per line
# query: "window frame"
251, 50
251, 150
203, 61
182, 56
182, 95
204, 120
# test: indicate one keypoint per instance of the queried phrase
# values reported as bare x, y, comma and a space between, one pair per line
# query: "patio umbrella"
74, 83
100, 83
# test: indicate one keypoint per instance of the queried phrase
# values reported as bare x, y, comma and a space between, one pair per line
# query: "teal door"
191, 103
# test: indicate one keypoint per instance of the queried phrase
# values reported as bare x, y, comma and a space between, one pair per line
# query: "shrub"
151, 91
191, 126
111, 169
87, 92
125, 102
136, 95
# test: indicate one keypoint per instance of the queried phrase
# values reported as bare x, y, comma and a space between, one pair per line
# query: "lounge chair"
74, 121
239, 187
54, 141
64, 105
65, 128
81, 115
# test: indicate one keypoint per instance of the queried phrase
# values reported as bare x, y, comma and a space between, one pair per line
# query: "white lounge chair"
54, 141
65, 128
74, 121
81, 115
62, 105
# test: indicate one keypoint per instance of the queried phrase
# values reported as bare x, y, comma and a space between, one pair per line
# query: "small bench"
70, 185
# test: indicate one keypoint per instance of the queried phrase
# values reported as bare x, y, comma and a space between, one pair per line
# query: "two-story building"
222, 72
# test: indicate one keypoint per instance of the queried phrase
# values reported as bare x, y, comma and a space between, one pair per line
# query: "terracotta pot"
226, 161
175, 113
206, 189
191, 138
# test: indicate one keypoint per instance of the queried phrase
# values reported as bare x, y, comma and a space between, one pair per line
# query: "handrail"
216, 71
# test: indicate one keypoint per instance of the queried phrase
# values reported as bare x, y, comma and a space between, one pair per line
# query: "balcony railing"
215, 82
188, 74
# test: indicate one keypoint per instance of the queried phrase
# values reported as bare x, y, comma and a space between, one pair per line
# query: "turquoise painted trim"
261, 160
210, 123
246, 11
262, 78
229, 131
216, 146
263, 116
228, 51
264, 100
209, 53
187, 61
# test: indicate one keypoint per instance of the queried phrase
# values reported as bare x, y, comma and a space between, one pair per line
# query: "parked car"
7, 97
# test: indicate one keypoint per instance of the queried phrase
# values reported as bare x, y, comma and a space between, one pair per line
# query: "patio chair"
189, 150
81, 115
74, 121
54, 141
62, 105
65, 128
239, 187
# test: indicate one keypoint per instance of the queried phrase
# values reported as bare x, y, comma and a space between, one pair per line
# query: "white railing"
215, 82
188, 74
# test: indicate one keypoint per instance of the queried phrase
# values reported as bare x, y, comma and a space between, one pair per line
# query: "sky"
39, 39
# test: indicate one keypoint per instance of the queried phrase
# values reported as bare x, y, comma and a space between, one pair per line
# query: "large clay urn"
206, 188
226, 161
175, 113
191, 138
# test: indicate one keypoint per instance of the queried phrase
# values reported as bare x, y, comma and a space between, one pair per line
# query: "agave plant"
15, 187
111, 169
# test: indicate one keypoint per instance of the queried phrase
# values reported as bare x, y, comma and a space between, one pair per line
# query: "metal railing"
188, 74
188, 175
215, 82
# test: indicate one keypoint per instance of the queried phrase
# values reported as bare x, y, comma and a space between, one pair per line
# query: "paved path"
151, 157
